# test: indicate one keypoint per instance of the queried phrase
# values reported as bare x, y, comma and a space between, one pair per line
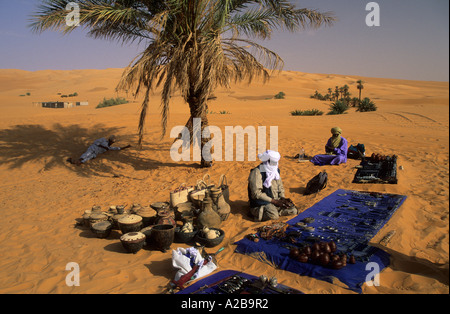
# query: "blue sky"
412, 42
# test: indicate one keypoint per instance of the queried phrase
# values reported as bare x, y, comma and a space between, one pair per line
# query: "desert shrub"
366, 105
70, 95
112, 102
354, 102
220, 112
312, 112
280, 95
338, 107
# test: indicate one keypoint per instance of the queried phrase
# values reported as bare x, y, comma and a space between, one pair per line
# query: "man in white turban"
266, 191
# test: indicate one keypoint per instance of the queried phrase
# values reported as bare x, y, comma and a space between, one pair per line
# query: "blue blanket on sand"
350, 219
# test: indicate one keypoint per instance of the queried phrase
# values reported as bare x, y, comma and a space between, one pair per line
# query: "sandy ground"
42, 197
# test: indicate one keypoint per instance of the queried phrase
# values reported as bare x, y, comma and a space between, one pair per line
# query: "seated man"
336, 150
266, 191
98, 147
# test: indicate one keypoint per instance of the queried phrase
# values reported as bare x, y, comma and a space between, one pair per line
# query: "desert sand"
42, 198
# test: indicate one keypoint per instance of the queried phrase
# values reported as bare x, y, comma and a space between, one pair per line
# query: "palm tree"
341, 92
360, 86
346, 94
336, 93
192, 46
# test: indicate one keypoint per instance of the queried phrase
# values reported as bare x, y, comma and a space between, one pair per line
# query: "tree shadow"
24, 144
416, 265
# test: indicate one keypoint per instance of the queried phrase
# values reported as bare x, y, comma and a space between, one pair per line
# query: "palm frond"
188, 43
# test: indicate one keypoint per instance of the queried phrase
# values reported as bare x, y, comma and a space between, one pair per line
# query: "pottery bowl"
133, 242
94, 218
148, 215
200, 237
160, 205
130, 223
102, 229
184, 237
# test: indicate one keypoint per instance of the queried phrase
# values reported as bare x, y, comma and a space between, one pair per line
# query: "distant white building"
60, 104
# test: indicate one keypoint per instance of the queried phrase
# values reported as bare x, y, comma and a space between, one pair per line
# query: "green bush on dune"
112, 102
312, 112
280, 95
366, 105
338, 107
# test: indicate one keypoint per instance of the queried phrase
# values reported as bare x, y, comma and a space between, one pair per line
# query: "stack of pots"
322, 253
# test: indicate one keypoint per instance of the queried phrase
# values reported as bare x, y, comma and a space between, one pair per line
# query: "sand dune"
42, 197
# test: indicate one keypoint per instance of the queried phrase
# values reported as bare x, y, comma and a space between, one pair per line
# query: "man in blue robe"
99, 146
336, 150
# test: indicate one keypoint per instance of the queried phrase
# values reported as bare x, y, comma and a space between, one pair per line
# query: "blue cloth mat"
213, 284
350, 219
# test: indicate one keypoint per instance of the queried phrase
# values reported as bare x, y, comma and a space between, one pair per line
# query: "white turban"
270, 169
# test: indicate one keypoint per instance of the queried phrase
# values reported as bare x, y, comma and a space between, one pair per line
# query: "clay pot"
165, 217
197, 199
325, 247
115, 220
210, 242
120, 209
334, 258
133, 242
94, 218
307, 250
294, 253
86, 218
324, 259
96, 209
337, 264
352, 259
148, 215
102, 229
184, 209
162, 237
208, 217
302, 258
160, 206
223, 208
130, 223
135, 208
316, 247
332, 246
184, 237
315, 255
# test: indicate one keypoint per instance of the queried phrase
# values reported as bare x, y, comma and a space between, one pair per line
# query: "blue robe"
339, 155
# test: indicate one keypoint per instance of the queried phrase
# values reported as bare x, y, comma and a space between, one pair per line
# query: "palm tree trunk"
198, 109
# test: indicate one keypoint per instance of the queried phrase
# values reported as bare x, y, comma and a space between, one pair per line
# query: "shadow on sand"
23, 144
